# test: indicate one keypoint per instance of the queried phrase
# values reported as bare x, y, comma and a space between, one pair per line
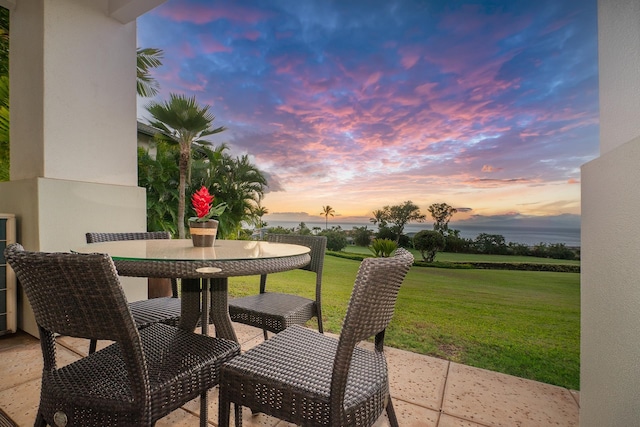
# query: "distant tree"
336, 239
491, 244
455, 243
539, 250
326, 211
379, 218
519, 249
316, 230
560, 251
183, 118
362, 236
400, 215
428, 242
441, 214
303, 229
279, 230
260, 212
385, 233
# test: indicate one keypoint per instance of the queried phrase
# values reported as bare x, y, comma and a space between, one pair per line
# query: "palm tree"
4, 94
146, 59
235, 181
379, 218
183, 118
260, 212
326, 211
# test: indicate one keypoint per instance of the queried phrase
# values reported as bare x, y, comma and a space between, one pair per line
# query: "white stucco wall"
610, 280
73, 127
54, 215
619, 64
83, 61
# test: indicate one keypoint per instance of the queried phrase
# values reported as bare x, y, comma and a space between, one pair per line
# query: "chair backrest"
142, 235
369, 312
317, 244
78, 295
139, 235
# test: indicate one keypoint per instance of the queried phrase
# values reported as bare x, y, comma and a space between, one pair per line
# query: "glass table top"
183, 250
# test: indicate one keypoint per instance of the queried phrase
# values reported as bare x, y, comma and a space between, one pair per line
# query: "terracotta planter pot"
203, 234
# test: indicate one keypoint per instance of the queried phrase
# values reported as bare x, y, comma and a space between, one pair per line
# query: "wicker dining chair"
145, 312
143, 376
273, 311
310, 379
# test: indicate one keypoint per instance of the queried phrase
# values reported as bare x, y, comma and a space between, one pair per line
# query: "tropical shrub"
383, 247
428, 242
336, 239
362, 236
159, 175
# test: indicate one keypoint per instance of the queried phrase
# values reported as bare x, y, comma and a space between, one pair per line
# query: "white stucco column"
73, 126
610, 280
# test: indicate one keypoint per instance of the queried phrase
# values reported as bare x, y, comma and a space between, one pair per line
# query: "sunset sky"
489, 106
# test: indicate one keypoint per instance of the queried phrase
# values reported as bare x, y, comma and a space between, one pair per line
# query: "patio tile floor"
426, 391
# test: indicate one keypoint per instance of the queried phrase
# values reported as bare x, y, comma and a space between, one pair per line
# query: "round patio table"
180, 259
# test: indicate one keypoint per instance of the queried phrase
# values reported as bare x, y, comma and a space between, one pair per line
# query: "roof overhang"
124, 11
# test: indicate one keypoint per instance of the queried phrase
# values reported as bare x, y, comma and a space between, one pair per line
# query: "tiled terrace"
427, 392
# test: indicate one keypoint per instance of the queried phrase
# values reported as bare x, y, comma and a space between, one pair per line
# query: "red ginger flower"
202, 203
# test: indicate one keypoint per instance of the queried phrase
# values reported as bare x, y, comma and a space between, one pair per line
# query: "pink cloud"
211, 45
426, 89
286, 64
373, 79
202, 14
251, 35
409, 57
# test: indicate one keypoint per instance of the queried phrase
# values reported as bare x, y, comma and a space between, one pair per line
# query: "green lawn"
522, 323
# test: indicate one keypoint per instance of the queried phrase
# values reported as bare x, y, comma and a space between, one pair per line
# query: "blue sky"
489, 106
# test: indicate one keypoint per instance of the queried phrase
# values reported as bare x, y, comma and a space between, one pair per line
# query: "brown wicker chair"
274, 312
310, 379
145, 312
146, 374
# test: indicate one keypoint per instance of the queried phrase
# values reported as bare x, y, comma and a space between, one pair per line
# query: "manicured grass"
521, 323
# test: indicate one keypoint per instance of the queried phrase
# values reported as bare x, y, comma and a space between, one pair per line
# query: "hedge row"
559, 268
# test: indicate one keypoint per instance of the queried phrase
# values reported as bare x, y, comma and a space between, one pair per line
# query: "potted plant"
203, 227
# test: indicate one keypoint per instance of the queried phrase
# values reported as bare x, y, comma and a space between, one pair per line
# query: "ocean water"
524, 235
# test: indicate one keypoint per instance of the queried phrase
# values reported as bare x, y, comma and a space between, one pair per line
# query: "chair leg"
238, 414
266, 336
92, 346
40, 422
223, 412
204, 409
391, 413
